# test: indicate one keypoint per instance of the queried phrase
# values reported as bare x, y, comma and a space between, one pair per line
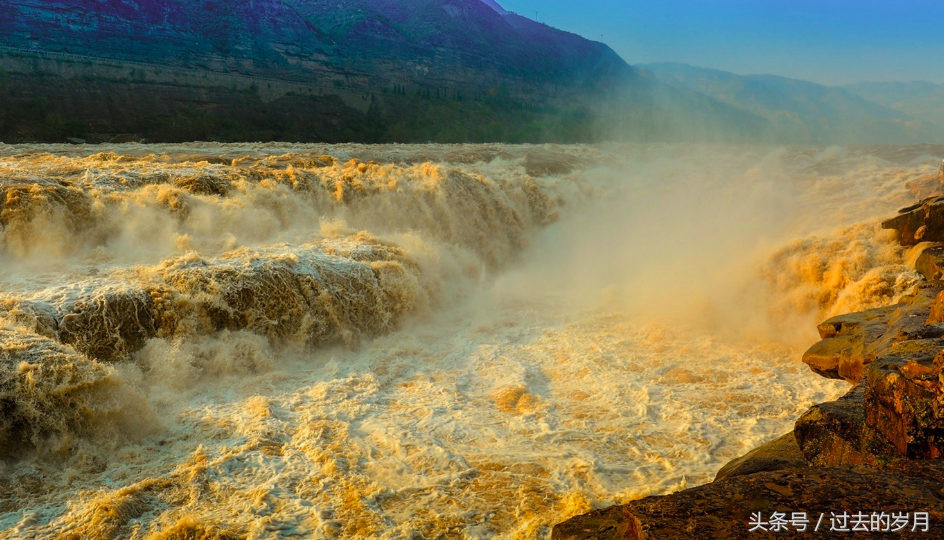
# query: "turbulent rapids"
275, 341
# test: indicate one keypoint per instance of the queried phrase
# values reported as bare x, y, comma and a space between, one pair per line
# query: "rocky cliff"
863, 466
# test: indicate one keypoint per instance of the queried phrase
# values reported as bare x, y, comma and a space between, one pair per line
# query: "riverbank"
860, 466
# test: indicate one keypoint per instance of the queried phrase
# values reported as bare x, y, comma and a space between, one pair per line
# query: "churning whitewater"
476, 341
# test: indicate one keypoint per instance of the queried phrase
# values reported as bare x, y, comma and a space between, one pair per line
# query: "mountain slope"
320, 70
367, 43
364, 70
802, 111
378, 71
918, 99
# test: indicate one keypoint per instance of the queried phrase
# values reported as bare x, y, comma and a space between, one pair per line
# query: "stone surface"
921, 222
852, 341
724, 509
780, 453
840, 357
894, 412
930, 263
614, 523
834, 433
904, 402
936, 311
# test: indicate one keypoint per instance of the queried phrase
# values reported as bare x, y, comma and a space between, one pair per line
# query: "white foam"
631, 348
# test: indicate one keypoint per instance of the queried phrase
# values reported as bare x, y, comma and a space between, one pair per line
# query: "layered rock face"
873, 450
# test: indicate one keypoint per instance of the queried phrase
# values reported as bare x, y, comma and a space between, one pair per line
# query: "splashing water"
472, 341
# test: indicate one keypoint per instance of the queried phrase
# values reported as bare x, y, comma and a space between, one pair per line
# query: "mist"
390, 329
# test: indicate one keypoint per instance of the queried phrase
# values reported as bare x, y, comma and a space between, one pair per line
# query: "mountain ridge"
921, 99
366, 43
379, 71
376, 70
803, 111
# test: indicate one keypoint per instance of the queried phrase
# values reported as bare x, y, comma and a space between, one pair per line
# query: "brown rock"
926, 216
894, 412
930, 263
725, 509
840, 357
849, 323
848, 343
936, 311
904, 402
854, 340
924, 293
834, 433
907, 323
780, 453
614, 523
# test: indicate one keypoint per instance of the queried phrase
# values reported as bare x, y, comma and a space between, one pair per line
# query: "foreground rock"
728, 509
921, 222
852, 341
780, 453
895, 356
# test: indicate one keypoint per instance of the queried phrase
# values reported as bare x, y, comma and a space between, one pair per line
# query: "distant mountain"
328, 70
919, 99
494, 5
378, 71
467, 44
802, 111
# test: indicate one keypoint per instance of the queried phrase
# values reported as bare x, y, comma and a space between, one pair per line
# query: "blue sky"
826, 41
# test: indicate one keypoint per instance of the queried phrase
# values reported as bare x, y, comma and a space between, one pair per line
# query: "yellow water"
472, 341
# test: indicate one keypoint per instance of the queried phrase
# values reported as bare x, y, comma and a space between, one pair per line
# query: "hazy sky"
827, 41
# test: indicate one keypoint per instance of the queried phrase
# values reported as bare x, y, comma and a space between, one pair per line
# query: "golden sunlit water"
274, 341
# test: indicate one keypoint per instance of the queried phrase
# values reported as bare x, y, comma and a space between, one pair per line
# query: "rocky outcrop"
874, 448
814, 497
780, 453
854, 340
921, 222
894, 355
930, 263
